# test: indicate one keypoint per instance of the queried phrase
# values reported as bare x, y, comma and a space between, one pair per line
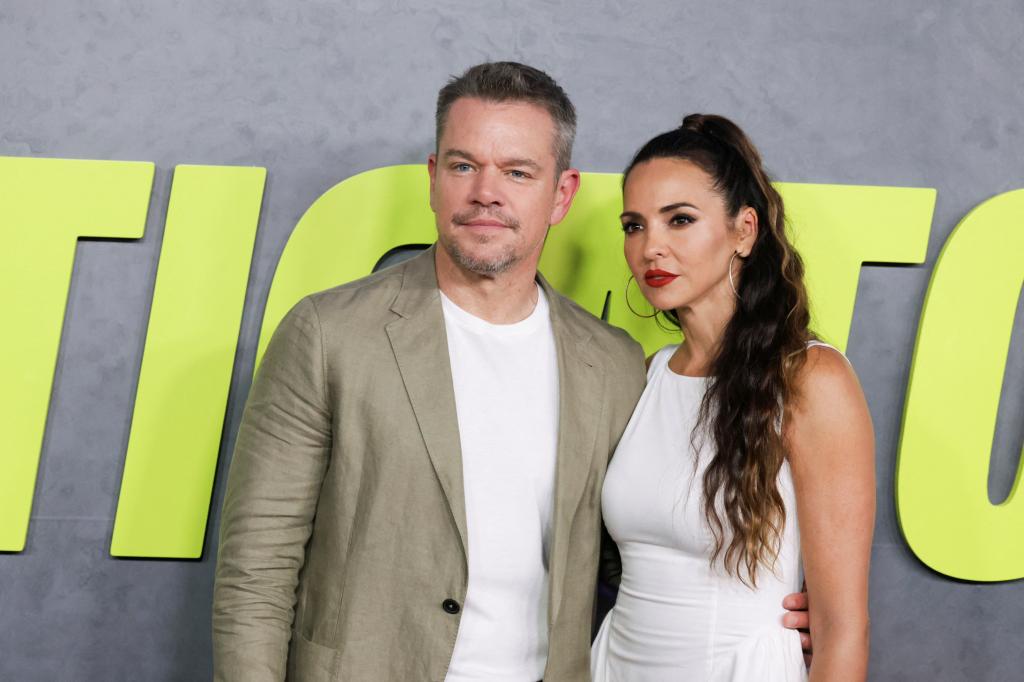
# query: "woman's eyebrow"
672, 207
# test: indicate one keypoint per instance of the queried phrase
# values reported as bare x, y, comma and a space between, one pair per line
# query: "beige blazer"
343, 531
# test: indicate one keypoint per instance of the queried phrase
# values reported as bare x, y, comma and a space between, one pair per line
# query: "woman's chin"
664, 300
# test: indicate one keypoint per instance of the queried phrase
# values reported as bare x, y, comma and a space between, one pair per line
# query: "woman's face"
679, 235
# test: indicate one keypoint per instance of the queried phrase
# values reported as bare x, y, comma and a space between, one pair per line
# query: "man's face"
493, 186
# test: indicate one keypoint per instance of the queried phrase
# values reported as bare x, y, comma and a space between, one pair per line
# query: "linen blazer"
343, 529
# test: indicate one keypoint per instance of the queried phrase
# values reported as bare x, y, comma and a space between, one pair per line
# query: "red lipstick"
658, 278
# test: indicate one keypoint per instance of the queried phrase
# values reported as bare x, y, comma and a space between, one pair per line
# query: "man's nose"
487, 189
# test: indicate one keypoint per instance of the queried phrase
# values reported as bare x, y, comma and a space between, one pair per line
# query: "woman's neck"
703, 325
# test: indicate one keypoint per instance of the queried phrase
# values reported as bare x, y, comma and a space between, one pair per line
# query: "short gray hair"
514, 82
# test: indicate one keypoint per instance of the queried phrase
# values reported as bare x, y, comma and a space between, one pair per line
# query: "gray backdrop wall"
914, 93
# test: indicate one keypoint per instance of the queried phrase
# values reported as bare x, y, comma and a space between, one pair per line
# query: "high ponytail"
764, 344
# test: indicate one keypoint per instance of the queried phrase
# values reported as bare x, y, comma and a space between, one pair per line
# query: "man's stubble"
488, 267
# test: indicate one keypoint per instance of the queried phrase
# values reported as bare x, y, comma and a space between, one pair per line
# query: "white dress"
677, 617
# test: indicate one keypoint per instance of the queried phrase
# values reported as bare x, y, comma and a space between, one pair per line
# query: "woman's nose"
654, 245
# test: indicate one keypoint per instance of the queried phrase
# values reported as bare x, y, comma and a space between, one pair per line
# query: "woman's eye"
681, 219
630, 228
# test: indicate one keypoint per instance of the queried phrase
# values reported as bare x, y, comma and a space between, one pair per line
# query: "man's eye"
518, 174
462, 167
630, 228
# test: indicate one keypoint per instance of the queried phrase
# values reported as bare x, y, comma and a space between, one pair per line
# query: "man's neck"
500, 299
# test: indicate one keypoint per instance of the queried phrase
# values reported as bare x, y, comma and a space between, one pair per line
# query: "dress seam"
712, 633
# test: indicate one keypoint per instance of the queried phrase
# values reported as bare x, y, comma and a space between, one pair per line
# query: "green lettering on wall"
836, 228
343, 234
201, 281
45, 206
953, 399
186, 365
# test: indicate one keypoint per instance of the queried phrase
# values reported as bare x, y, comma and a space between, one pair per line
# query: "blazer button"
451, 606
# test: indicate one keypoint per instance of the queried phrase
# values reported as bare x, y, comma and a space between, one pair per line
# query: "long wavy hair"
751, 377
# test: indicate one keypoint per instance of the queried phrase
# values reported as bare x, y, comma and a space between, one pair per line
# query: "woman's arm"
831, 450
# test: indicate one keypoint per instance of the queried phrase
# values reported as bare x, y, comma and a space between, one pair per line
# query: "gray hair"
514, 82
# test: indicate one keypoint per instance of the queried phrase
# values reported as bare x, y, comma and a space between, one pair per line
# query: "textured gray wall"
914, 93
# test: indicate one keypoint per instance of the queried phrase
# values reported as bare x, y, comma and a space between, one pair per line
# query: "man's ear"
432, 172
565, 190
746, 230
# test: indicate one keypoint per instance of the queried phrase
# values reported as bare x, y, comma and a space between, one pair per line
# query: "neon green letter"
186, 365
45, 205
837, 228
953, 399
345, 232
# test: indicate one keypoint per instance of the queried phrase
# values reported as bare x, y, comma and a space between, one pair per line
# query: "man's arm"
609, 574
609, 568
276, 472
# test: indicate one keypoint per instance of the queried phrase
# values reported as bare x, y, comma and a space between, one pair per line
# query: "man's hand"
799, 619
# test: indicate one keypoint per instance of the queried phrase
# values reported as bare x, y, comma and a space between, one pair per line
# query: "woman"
751, 448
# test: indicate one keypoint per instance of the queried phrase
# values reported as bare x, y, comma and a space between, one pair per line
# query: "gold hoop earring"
731, 282
630, 305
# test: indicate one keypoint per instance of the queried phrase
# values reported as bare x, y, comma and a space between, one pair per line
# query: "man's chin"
481, 261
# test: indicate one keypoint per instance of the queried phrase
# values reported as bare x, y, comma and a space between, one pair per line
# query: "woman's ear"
746, 227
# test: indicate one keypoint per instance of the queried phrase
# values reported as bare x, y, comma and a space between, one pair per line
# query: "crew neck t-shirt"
505, 378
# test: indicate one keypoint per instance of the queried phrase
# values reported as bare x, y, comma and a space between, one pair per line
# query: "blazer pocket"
311, 662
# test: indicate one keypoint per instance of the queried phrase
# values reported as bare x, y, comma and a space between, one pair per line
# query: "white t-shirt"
506, 397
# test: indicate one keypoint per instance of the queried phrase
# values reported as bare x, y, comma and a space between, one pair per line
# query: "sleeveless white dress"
677, 617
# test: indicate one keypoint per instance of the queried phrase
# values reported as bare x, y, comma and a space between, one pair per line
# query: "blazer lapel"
420, 346
580, 389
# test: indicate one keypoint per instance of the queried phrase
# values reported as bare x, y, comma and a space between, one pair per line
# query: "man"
415, 490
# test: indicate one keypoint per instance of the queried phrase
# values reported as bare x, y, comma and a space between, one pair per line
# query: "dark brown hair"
751, 378
514, 82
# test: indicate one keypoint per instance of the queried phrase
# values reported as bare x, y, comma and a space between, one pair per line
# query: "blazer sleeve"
278, 465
